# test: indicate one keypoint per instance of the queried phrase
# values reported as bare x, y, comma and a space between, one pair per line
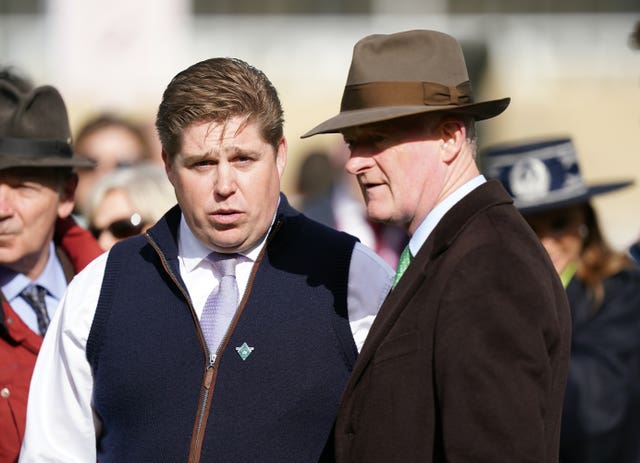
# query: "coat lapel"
446, 232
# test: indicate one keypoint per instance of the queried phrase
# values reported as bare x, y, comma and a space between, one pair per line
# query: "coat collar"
487, 195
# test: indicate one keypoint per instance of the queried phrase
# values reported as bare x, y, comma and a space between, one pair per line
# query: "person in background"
16, 77
601, 413
634, 252
228, 330
41, 247
467, 358
332, 197
112, 142
315, 178
634, 42
127, 202
634, 37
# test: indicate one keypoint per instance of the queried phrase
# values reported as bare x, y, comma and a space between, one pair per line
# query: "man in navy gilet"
131, 370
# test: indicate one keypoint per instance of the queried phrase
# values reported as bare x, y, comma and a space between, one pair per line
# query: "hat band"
380, 94
35, 148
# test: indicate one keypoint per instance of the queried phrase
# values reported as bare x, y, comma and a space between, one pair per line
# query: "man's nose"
358, 162
225, 181
6, 203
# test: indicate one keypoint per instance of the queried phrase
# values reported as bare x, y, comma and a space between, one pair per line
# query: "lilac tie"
221, 305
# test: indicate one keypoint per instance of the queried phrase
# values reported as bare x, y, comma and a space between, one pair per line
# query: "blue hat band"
548, 175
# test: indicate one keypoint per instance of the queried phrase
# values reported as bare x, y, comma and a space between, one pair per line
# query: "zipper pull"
208, 378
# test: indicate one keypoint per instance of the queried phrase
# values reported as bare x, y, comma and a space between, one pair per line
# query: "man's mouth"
369, 186
226, 216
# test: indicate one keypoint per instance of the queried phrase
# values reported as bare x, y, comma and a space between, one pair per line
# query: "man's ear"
67, 195
281, 156
452, 136
167, 166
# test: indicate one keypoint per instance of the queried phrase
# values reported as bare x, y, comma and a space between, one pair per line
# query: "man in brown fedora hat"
467, 358
41, 247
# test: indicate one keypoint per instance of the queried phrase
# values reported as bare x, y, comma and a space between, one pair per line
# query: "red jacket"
19, 345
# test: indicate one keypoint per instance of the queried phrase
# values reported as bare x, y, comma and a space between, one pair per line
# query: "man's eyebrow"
38, 176
369, 132
352, 133
236, 150
230, 150
196, 156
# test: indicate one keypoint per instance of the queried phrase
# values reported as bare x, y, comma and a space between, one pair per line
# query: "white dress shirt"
61, 424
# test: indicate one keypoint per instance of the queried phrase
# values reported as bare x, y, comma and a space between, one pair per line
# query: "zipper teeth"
203, 406
204, 397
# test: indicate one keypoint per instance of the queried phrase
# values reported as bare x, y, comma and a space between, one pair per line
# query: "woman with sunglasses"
601, 416
127, 202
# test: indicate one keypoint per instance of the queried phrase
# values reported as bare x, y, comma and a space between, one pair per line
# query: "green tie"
403, 263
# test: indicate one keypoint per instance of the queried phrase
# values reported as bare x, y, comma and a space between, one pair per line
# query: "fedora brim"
357, 117
8, 162
26, 152
527, 208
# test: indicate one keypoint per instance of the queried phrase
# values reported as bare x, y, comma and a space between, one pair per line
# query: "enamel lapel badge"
244, 351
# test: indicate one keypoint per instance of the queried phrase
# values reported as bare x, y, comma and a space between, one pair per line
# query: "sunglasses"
123, 228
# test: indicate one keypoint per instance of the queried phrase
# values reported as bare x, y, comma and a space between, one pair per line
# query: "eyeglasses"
123, 228
558, 222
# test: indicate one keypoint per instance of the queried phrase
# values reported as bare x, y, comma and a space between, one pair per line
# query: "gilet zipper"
210, 372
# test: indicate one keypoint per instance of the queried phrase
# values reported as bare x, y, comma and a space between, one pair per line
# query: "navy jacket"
601, 415
157, 395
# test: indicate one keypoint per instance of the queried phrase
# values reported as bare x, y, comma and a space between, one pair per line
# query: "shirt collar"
433, 218
52, 278
192, 251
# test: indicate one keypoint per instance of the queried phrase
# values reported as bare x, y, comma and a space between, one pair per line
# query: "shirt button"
5, 393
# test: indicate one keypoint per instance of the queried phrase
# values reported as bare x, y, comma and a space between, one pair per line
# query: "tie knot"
406, 256
34, 293
224, 263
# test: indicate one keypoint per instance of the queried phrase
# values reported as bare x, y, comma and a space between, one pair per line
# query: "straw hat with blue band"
34, 129
542, 175
404, 74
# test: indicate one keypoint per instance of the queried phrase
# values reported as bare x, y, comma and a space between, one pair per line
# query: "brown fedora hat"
34, 129
406, 73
